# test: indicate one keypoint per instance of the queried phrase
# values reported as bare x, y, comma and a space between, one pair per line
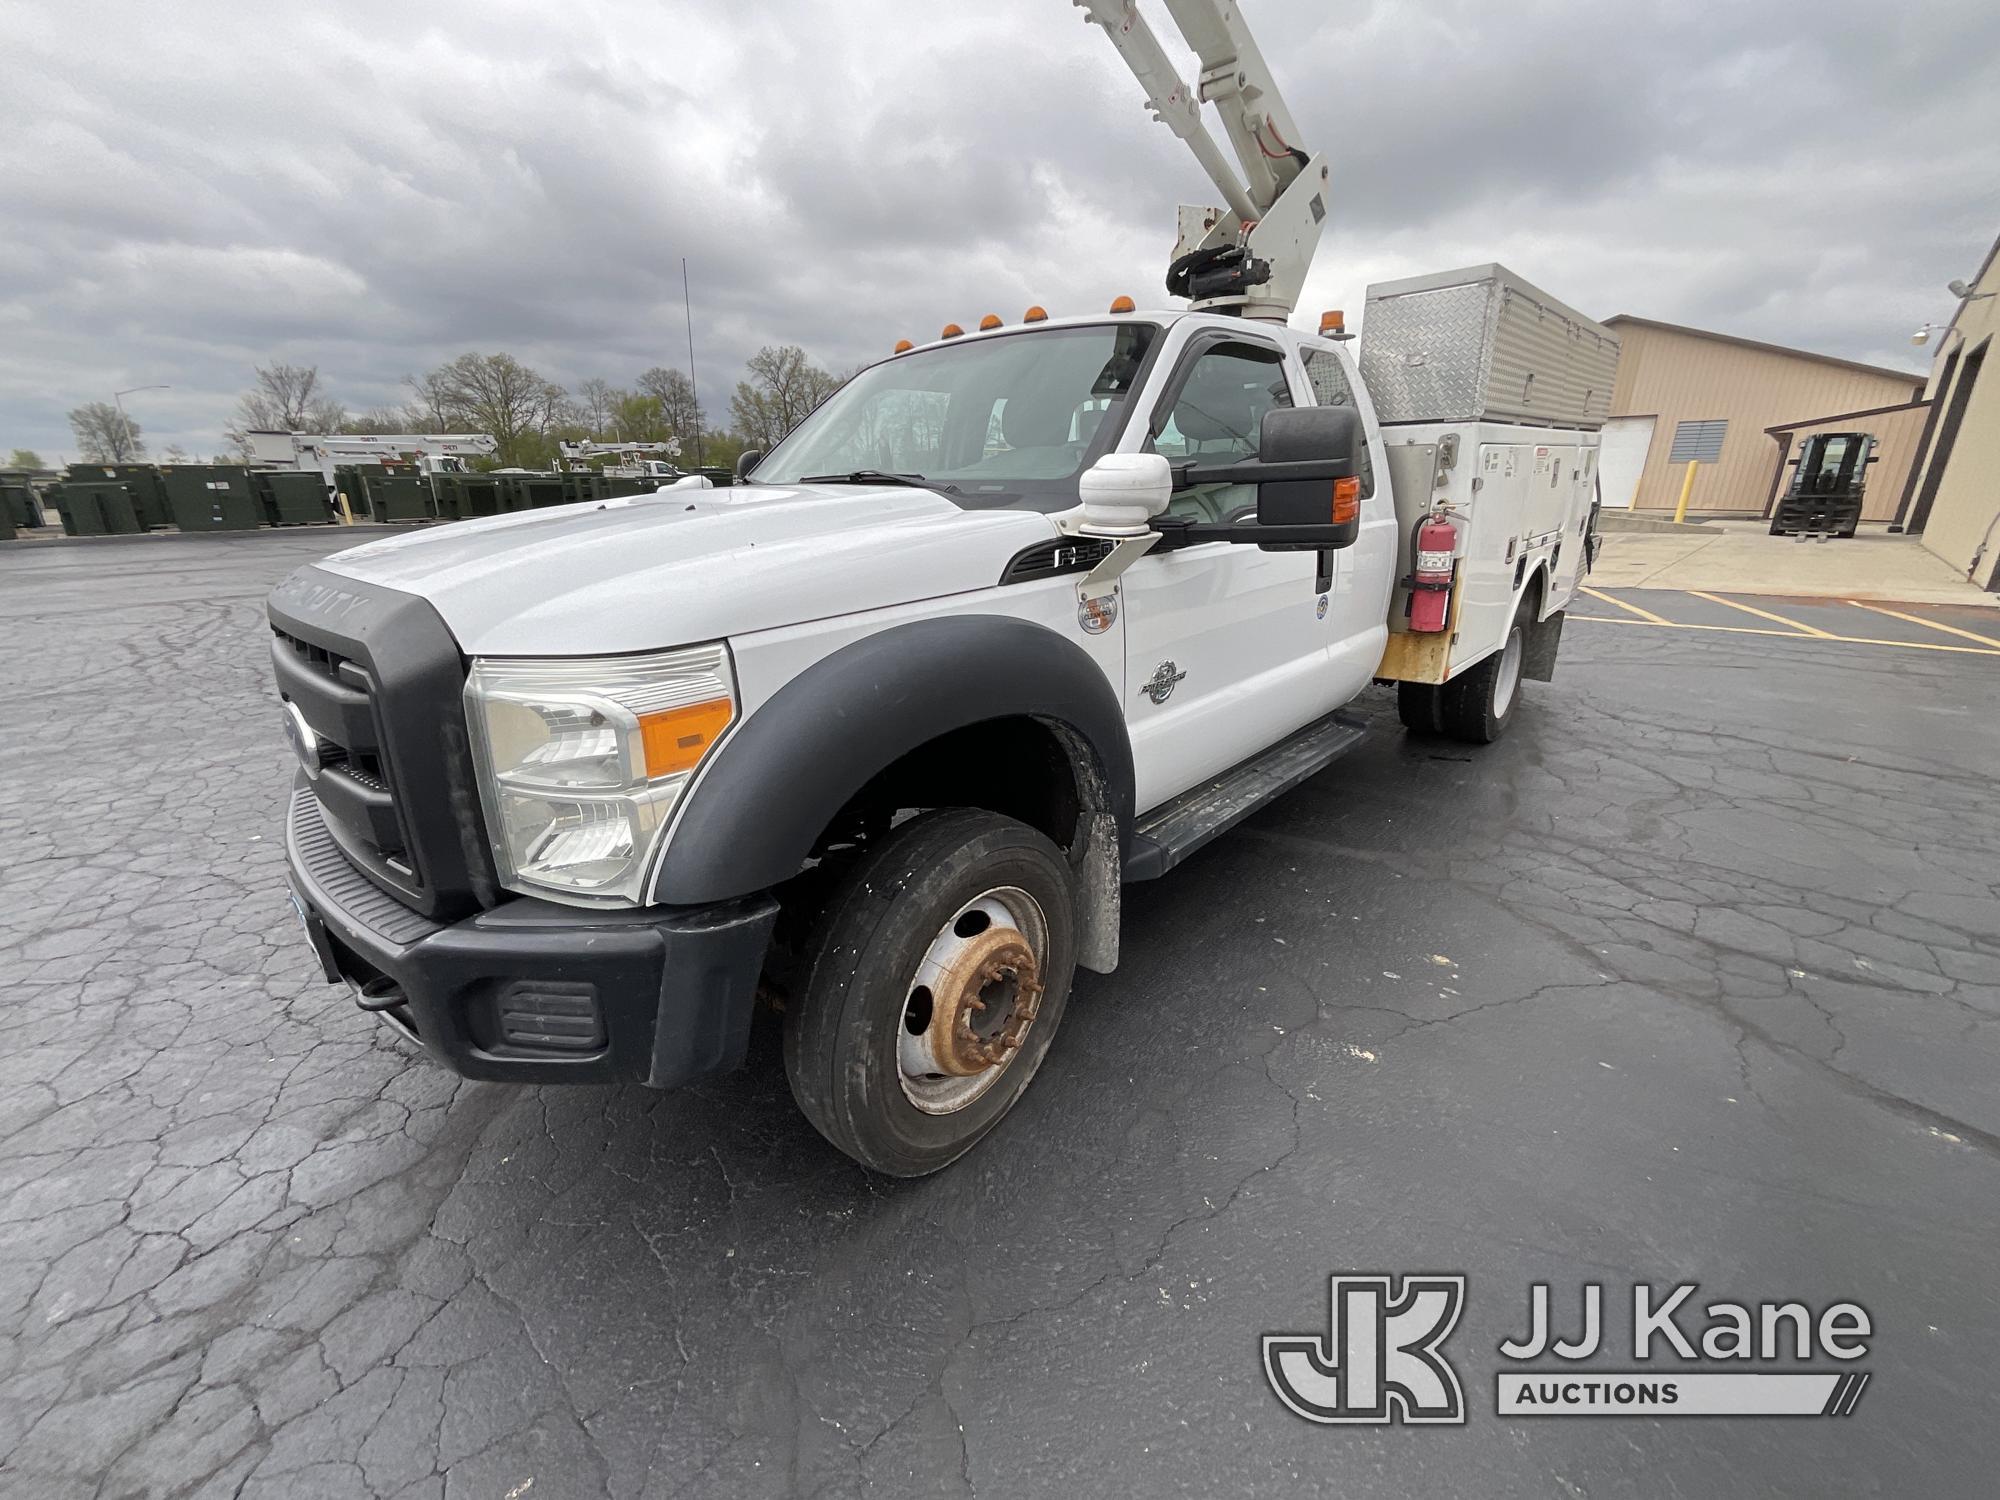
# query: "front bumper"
532, 991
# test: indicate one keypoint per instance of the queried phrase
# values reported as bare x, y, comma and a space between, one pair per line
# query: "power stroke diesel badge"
1161, 686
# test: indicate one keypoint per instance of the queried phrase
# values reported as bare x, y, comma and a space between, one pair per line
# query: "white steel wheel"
973, 1000
1507, 681
936, 977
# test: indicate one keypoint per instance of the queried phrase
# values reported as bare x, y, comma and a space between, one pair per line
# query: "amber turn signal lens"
1121, 304
903, 346
1346, 501
677, 738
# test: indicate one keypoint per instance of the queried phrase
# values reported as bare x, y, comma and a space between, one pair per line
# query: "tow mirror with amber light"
1325, 499
1307, 476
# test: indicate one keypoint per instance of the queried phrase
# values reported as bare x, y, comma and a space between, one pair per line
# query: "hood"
651, 571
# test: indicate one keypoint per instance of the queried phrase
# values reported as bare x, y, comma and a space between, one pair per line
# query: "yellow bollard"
1687, 489
347, 516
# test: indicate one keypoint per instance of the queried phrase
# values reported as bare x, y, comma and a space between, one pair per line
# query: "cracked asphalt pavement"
1695, 977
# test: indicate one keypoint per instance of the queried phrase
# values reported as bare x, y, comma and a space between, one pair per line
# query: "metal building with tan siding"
1955, 493
1738, 409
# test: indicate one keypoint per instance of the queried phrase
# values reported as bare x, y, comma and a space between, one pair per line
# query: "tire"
848, 1038
1420, 706
1477, 705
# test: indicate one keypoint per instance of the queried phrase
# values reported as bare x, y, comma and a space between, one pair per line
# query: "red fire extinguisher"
1430, 574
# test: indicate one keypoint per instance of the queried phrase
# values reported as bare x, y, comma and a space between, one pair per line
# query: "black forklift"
1829, 481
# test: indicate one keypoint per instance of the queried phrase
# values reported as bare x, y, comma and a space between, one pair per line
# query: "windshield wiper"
877, 476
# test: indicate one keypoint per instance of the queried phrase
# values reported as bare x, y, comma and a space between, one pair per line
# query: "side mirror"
1122, 492
747, 460
1321, 447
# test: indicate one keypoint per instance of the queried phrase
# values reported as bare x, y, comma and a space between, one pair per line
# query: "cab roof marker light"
990, 322
1036, 314
1122, 304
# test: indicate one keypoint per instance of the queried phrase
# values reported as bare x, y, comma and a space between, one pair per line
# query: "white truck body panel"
651, 571
1521, 496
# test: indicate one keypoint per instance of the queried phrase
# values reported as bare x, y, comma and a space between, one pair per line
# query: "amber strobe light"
1346, 501
1122, 304
1332, 322
677, 738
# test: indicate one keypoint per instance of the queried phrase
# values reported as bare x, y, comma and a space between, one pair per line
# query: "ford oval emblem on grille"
305, 743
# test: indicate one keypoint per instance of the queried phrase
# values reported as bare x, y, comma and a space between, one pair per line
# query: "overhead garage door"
1622, 458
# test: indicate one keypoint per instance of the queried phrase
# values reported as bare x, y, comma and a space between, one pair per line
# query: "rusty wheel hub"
983, 1007
973, 1000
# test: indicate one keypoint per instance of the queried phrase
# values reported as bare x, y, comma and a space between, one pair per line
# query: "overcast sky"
194, 188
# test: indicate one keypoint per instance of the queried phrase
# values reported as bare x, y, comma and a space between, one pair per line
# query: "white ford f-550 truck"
1015, 618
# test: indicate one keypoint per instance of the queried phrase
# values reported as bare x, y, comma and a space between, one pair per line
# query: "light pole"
118, 400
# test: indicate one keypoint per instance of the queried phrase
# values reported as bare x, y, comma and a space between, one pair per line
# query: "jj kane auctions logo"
1381, 1359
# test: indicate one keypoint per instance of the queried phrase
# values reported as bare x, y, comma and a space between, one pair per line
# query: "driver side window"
1213, 416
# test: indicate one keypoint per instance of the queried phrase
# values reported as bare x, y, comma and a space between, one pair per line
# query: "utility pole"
118, 400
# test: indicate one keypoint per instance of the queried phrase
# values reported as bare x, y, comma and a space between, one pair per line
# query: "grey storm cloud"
194, 189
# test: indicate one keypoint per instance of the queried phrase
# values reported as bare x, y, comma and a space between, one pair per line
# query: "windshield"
990, 420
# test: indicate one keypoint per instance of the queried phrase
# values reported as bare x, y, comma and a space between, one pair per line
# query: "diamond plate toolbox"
1481, 344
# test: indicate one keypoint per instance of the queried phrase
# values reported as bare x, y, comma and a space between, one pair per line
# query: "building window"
1698, 442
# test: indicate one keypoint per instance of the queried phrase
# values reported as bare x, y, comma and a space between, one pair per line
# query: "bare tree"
496, 393
678, 408
375, 419
594, 402
104, 435
638, 419
429, 409
288, 398
175, 454
783, 388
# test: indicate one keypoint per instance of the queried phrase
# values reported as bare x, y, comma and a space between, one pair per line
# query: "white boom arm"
1263, 245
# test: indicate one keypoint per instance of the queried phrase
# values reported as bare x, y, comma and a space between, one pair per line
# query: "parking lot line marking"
1645, 614
1765, 614
1791, 635
1897, 614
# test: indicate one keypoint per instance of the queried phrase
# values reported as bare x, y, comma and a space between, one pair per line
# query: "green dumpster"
18, 503
211, 497
146, 487
292, 497
460, 496
395, 494
347, 481
99, 507
539, 490
616, 485
719, 476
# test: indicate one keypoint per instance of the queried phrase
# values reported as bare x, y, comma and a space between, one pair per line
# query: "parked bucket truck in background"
1015, 618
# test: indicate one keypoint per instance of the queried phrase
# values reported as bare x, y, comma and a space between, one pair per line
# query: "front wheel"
936, 979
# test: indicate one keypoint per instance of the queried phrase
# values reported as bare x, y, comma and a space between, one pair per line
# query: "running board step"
1174, 830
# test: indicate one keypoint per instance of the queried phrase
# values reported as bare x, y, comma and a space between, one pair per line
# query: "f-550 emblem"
1161, 688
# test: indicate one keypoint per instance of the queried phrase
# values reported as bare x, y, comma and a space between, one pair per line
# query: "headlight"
581, 762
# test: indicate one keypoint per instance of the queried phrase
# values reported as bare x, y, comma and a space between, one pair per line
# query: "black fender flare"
784, 772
